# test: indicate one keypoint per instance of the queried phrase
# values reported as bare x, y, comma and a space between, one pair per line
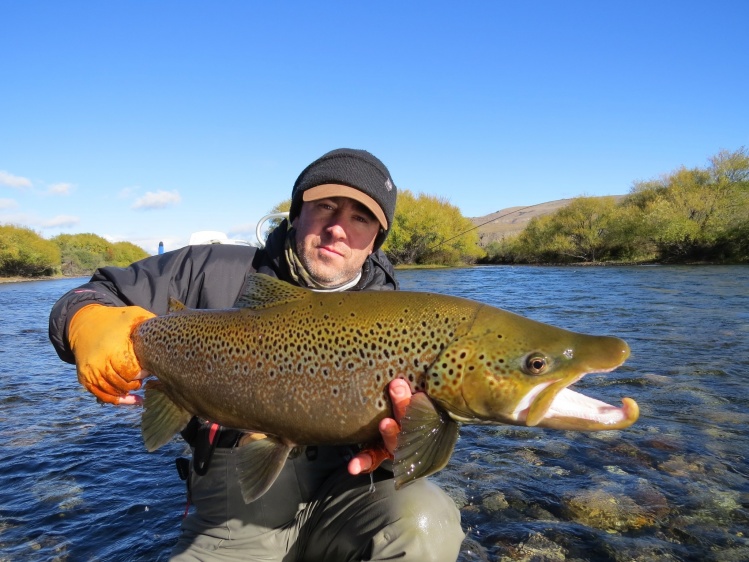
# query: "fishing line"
482, 224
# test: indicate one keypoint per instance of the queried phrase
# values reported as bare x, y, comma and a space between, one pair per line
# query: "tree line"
24, 253
689, 215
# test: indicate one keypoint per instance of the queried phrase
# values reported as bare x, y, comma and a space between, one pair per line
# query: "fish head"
510, 369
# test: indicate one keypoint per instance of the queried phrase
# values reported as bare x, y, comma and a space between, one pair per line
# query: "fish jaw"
512, 370
570, 410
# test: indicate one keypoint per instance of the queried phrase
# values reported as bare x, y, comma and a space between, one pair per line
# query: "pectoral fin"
259, 464
162, 418
425, 442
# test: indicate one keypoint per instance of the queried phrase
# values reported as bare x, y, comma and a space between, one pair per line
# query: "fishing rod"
482, 224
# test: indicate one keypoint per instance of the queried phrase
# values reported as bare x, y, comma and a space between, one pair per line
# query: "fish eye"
535, 364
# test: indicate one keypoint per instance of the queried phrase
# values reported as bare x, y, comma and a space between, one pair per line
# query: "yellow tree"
24, 253
579, 232
429, 230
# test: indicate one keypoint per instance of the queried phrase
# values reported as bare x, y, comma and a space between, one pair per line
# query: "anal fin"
161, 418
425, 442
260, 462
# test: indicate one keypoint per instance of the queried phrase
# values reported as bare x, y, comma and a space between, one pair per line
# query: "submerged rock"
607, 511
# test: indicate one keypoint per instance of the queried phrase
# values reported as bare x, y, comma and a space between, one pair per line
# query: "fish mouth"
553, 405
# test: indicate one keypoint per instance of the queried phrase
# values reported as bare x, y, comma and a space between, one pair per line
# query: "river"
77, 484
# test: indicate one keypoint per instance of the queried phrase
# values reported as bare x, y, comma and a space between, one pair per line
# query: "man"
322, 506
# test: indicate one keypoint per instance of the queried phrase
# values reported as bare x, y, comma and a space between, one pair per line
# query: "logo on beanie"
388, 185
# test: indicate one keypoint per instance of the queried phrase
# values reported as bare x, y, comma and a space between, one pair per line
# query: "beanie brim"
336, 190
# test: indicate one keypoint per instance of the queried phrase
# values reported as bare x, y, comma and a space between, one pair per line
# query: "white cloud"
60, 188
8, 203
243, 232
60, 221
20, 219
34, 221
157, 200
10, 180
127, 192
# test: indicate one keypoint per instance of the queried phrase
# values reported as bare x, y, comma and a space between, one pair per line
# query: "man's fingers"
129, 400
400, 396
102, 396
359, 464
389, 429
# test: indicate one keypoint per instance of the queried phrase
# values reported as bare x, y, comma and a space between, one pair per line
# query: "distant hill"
512, 220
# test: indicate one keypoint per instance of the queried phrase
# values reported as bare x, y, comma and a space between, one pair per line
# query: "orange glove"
100, 339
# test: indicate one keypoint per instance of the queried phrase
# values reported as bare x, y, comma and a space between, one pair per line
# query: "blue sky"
147, 121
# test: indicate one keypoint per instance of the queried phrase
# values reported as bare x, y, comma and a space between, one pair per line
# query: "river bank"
23, 279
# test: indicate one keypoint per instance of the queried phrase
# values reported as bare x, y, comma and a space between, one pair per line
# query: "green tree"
429, 230
629, 235
698, 213
583, 231
730, 171
24, 253
125, 253
83, 253
731, 167
689, 214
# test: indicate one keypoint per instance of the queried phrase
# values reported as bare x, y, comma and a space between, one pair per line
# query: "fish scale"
308, 367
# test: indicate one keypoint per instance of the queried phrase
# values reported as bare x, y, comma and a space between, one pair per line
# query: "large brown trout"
311, 368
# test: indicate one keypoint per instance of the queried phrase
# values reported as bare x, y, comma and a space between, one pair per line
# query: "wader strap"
204, 437
183, 469
205, 444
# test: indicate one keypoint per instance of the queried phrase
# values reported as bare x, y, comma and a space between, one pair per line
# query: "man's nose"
336, 229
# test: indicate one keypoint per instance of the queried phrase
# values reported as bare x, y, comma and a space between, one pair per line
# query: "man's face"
334, 236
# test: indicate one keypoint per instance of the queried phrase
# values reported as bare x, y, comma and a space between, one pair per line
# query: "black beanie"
354, 168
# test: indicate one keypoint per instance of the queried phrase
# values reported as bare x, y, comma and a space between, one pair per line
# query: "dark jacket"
207, 276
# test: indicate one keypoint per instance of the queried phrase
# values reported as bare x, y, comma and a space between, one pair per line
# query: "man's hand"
400, 396
104, 358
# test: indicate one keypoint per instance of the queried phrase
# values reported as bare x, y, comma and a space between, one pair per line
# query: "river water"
77, 484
